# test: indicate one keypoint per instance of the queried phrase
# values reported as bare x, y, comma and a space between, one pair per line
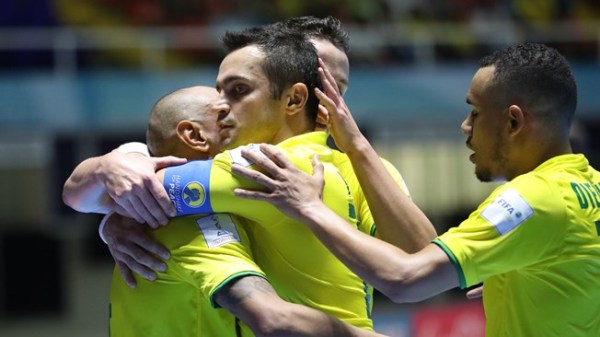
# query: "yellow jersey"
535, 244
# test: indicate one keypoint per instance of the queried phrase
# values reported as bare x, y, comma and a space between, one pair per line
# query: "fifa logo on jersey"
507, 211
508, 208
194, 194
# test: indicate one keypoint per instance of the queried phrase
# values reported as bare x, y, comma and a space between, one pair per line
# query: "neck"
293, 127
533, 154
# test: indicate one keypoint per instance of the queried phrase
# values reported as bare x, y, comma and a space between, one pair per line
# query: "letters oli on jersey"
507, 211
587, 194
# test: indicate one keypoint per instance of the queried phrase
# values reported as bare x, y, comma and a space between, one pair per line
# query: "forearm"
378, 263
399, 221
400, 276
305, 321
254, 301
83, 191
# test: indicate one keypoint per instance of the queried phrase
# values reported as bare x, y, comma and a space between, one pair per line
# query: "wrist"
360, 147
311, 213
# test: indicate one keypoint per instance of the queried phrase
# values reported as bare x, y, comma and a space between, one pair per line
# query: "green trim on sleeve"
229, 279
373, 230
459, 271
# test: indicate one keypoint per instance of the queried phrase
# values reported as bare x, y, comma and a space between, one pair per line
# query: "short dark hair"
539, 77
289, 58
327, 28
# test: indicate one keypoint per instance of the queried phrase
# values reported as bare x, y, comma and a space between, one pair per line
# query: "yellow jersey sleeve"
493, 240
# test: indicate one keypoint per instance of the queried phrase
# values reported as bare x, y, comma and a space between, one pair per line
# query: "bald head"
193, 106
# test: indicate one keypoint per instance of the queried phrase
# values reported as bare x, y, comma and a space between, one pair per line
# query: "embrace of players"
285, 236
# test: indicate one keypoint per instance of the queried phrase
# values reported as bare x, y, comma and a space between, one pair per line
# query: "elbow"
403, 287
403, 294
396, 290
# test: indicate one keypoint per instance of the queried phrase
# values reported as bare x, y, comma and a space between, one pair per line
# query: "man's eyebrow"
230, 79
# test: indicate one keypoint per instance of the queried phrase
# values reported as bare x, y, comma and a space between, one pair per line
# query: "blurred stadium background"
77, 78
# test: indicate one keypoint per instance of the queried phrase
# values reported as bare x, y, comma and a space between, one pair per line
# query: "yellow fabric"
298, 266
540, 265
178, 303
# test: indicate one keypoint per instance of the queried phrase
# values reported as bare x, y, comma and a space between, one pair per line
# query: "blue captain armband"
188, 187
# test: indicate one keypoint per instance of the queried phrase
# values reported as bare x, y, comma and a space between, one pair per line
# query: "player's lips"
225, 126
470, 147
472, 157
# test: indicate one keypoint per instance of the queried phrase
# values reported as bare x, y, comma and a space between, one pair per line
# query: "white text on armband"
188, 187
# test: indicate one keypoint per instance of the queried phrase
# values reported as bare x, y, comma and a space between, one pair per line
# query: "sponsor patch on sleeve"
237, 158
507, 211
218, 229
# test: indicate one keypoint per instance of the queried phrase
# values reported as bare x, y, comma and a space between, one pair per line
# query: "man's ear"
191, 134
517, 118
297, 95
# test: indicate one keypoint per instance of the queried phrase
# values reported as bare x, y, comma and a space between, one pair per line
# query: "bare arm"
401, 276
398, 220
253, 300
121, 182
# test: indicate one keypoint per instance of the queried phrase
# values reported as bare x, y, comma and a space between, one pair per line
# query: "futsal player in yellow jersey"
300, 268
245, 86
534, 242
206, 251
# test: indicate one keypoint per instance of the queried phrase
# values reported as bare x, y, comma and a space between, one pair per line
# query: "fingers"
142, 203
327, 79
126, 274
126, 208
131, 182
322, 118
260, 159
159, 193
139, 259
318, 169
475, 293
253, 175
127, 265
276, 156
162, 162
271, 160
326, 104
252, 195
146, 249
134, 249
148, 215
